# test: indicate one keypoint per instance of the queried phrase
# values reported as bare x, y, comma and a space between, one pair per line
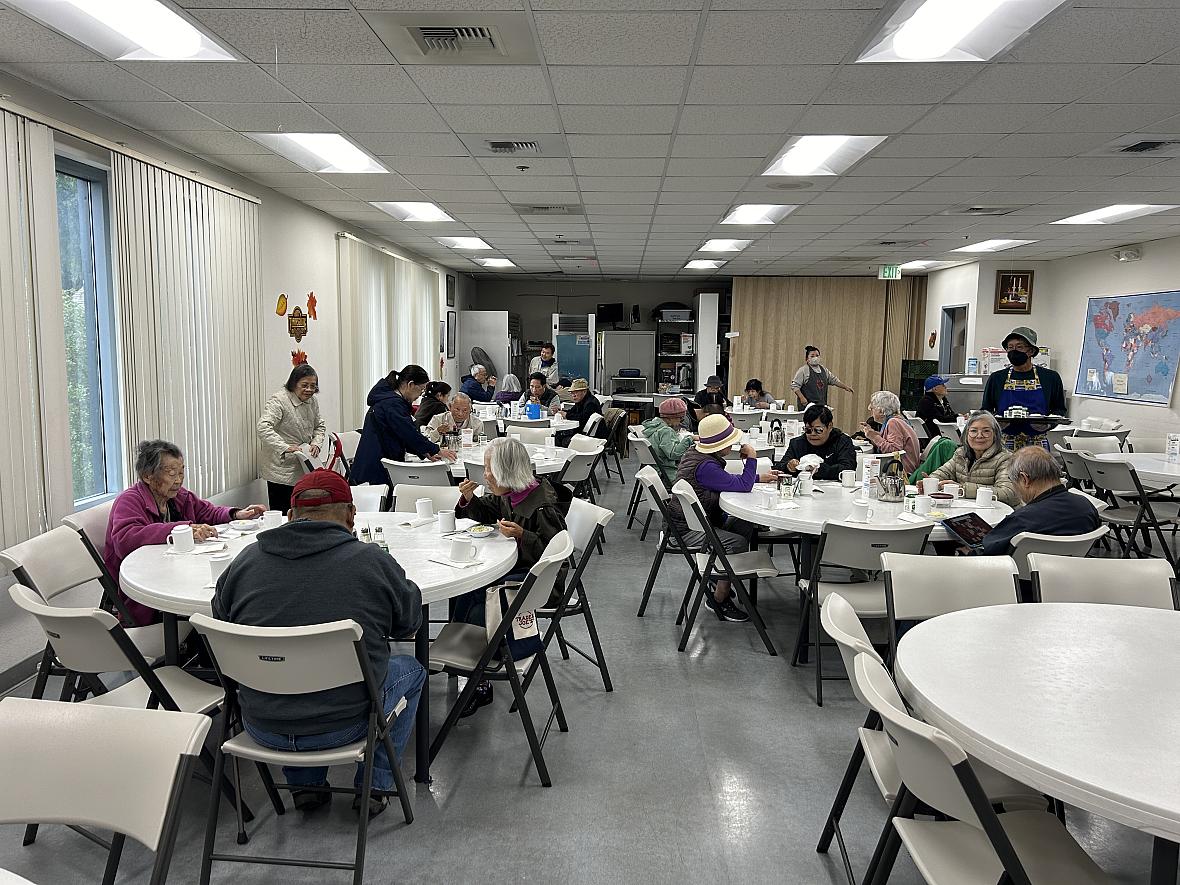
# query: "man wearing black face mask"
1022, 384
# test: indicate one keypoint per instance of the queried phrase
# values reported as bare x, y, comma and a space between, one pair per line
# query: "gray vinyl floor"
713, 765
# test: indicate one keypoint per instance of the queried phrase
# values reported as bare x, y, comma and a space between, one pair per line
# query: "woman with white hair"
480, 386
981, 461
895, 434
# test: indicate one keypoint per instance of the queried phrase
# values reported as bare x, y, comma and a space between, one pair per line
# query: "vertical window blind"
189, 280
389, 318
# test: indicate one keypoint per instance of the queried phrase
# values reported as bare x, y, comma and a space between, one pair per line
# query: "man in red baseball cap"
311, 571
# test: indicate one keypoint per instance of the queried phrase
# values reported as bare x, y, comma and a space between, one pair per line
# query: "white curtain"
189, 279
35, 480
389, 317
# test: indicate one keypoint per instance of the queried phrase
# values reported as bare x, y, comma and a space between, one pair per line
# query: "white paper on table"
228, 534
446, 560
912, 517
413, 522
203, 547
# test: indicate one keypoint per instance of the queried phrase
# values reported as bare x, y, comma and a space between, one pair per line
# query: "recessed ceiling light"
822, 154
704, 264
463, 242
1115, 214
494, 262
724, 245
954, 30
143, 30
323, 152
917, 265
993, 245
757, 213
412, 211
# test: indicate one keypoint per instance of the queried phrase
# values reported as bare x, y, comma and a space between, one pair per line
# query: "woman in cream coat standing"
290, 420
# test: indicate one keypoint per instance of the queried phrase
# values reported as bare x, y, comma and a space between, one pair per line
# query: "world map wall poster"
1130, 348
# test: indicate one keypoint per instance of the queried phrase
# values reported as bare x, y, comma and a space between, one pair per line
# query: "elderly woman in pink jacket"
147, 512
896, 434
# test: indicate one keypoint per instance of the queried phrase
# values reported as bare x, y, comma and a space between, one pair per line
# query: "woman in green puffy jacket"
668, 442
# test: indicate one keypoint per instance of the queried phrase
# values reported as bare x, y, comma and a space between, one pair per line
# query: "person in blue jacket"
478, 386
389, 430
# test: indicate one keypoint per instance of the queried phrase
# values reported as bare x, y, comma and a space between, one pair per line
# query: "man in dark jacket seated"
585, 404
1049, 508
934, 406
822, 439
313, 570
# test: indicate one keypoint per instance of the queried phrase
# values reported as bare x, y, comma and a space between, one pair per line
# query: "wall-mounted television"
610, 313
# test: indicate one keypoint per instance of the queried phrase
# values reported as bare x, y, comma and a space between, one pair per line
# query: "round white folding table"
542, 464
1076, 700
1153, 467
180, 585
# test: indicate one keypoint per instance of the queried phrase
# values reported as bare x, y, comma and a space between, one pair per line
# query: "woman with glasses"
389, 430
147, 513
831, 444
981, 461
290, 421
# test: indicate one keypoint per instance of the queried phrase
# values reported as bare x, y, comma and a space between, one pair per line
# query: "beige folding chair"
592, 424
296, 661
671, 538
1095, 443
114, 768
646, 458
475, 472
1063, 545
1119, 434
969, 843
580, 442
405, 497
743, 421
950, 429
1118, 480
369, 498
529, 435
478, 653
511, 425
1149, 583
578, 474
417, 473
91, 524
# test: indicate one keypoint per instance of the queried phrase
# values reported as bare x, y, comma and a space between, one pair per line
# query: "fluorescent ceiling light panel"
1115, 214
494, 262
142, 30
724, 245
757, 213
412, 211
704, 264
993, 245
955, 30
463, 242
917, 265
323, 152
822, 154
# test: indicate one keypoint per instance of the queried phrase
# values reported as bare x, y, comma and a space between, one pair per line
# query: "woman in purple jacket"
147, 513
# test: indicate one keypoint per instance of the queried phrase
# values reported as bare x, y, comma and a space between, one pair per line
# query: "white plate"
245, 525
482, 531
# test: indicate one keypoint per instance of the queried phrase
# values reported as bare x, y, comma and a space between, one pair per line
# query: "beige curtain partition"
190, 294
863, 326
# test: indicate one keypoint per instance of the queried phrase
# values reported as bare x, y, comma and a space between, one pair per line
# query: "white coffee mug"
550, 443
446, 521
424, 508
219, 562
953, 488
848, 478
923, 504
272, 519
861, 512
767, 499
181, 538
929, 485
462, 550
985, 497
806, 482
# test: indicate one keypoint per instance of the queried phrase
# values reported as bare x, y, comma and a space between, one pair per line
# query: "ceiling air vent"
528, 209
1152, 145
978, 211
514, 147
459, 37
450, 40
1148, 147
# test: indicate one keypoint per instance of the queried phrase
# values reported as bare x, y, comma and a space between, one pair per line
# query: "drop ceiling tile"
997, 118
542, 197
22, 39
1103, 166
613, 38
266, 116
268, 4
937, 145
452, 182
637, 198
622, 166
313, 193
334, 206
1108, 118
732, 146
1146, 85
376, 187
622, 119
714, 168
617, 85
495, 119
745, 119
531, 182
384, 117
202, 143
347, 83
897, 83
850, 119
481, 84
1038, 83
1090, 36
1002, 166
424, 144
432, 165
537, 165
768, 38
698, 183
289, 180
95, 81
211, 80
303, 36
418, 5
748, 85
599, 146
885, 166
872, 183
157, 115
445, 197
253, 162
1046, 145
608, 184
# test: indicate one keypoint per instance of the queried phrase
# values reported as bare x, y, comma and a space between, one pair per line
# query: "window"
88, 313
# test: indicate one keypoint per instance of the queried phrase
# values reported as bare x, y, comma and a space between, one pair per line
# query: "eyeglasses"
172, 472
814, 431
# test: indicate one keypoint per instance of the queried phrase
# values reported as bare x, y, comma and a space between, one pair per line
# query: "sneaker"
310, 800
377, 804
725, 611
481, 698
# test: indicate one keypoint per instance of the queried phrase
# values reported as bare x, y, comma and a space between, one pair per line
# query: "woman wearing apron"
1036, 388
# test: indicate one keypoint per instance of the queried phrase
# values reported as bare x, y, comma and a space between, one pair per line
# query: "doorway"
952, 352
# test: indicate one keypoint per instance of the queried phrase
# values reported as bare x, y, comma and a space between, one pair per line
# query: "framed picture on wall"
1014, 291
451, 282
452, 329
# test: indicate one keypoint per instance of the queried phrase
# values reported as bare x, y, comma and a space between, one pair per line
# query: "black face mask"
1017, 357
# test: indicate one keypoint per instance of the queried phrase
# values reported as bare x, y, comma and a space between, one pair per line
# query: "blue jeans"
404, 676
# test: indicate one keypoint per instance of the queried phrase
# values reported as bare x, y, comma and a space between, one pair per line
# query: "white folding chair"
405, 497
578, 473
853, 546
529, 435
1092, 442
579, 442
671, 538
369, 498
91, 524
350, 441
1149, 583
950, 429
1057, 437
513, 424
919, 426
114, 768
296, 661
1026, 543
743, 421
970, 844
646, 458
592, 423
479, 653
1118, 480
419, 473
1119, 434
475, 472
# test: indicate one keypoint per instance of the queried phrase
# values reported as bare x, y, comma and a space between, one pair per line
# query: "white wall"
952, 287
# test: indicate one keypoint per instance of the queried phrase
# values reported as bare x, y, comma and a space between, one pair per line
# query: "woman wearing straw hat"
703, 468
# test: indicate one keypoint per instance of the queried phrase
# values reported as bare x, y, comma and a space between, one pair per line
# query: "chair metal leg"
682, 612
399, 779
268, 782
116, 852
554, 698
646, 525
739, 587
885, 854
362, 818
43, 671
242, 837
817, 644
801, 634
527, 720
633, 504
702, 589
845, 790
596, 643
565, 652
211, 816
651, 577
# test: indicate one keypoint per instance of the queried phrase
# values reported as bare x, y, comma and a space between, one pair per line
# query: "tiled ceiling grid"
670, 109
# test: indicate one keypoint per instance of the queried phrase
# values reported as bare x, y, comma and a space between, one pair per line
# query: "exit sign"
889, 272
